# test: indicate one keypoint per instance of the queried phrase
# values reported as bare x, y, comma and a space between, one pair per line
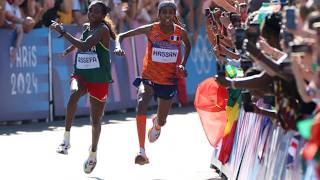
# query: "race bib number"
87, 61
164, 55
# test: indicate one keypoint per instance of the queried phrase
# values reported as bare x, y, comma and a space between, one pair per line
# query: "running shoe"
154, 133
63, 148
141, 159
89, 164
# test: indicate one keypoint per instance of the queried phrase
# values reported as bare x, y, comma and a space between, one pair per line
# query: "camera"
253, 32
240, 36
300, 49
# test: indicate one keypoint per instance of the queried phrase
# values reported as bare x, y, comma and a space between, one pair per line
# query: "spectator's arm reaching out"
223, 50
274, 53
259, 81
272, 68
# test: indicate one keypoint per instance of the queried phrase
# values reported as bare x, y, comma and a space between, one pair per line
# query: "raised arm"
140, 30
83, 45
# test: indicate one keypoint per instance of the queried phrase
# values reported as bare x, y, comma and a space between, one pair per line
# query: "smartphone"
301, 48
240, 36
290, 18
207, 12
253, 32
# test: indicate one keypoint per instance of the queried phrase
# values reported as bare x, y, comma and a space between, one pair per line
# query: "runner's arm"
140, 30
68, 50
186, 42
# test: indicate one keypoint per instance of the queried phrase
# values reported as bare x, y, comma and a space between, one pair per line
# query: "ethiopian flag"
232, 114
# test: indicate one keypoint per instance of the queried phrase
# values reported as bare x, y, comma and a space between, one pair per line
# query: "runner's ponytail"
108, 22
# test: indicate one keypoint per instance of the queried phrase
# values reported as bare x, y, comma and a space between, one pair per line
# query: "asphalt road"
181, 153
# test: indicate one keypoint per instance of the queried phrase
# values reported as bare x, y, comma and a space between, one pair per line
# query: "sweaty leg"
72, 106
144, 96
96, 112
71, 109
164, 107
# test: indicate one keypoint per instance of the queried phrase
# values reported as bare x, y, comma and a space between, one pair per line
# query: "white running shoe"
90, 163
154, 133
63, 148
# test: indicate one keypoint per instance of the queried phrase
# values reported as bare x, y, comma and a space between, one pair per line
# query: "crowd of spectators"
268, 57
25, 15
31, 14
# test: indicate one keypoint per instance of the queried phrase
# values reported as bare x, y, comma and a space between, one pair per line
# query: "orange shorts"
99, 91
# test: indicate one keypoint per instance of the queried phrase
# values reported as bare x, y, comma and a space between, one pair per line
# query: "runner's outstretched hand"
119, 52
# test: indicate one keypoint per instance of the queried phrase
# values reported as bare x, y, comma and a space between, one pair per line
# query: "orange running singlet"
163, 54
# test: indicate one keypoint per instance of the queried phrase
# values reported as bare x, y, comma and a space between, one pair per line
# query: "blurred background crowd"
29, 14
25, 15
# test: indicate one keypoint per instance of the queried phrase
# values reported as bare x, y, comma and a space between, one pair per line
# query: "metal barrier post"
51, 110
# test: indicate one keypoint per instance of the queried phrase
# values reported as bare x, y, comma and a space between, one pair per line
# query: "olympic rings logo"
201, 57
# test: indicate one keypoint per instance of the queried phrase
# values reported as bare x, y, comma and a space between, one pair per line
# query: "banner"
24, 83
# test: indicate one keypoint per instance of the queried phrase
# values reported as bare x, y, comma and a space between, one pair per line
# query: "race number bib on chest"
164, 55
87, 61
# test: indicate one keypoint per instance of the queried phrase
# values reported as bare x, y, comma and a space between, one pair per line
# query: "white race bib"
164, 55
87, 60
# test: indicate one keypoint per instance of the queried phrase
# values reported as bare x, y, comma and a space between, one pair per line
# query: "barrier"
26, 89
24, 85
262, 150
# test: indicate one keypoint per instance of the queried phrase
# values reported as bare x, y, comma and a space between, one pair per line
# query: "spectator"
79, 11
2, 13
14, 20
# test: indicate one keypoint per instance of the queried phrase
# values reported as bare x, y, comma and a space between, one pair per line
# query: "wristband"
63, 31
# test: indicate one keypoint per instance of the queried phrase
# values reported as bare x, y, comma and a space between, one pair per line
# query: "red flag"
210, 103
